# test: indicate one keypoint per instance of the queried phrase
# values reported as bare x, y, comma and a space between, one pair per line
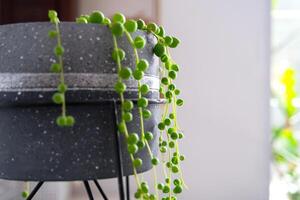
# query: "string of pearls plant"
170, 158
59, 97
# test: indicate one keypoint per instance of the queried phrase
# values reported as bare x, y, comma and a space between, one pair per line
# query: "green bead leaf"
133, 138
172, 74
139, 42
152, 27
106, 21
164, 58
142, 102
165, 81
146, 114
142, 65
172, 87
118, 53
177, 189
117, 29
174, 43
168, 40
127, 116
174, 136
140, 144
25, 194
120, 87
119, 17
81, 20
161, 31
58, 98
127, 105
167, 122
148, 136
155, 161
70, 121
144, 89
179, 102
159, 49
137, 162
62, 88
141, 24
132, 148
59, 50
138, 74
96, 17
175, 67
61, 121
161, 126
55, 68
131, 25
175, 169
166, 189
52, 34
52, 14
125, 73
122, 127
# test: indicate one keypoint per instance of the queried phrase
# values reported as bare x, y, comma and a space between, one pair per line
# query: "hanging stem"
60, 61
59, 97
141, 114
123, 121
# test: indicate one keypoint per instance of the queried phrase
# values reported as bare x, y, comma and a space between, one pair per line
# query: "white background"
225, 79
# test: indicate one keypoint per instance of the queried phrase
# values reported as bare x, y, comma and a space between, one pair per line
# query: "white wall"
225, 78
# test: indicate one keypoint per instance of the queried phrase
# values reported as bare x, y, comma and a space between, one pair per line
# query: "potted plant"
106, 77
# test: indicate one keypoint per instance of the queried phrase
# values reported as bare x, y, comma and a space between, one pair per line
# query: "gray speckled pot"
32, 147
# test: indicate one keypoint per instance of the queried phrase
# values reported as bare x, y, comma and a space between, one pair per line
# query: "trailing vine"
117, 28
60, 96
170, 133
143, 89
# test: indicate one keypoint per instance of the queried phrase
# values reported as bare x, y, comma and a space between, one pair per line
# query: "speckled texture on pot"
32, 147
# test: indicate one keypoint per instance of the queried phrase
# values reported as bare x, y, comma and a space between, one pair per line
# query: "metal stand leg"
127, 188
119, 153
100, 190
88, 190
34, 191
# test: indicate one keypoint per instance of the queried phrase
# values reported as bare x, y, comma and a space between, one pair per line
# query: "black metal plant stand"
119, 170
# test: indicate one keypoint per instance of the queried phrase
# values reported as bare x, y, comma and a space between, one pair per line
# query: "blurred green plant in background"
274, 3
285, 142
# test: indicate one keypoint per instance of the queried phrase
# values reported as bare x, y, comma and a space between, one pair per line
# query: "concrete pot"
32, 147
